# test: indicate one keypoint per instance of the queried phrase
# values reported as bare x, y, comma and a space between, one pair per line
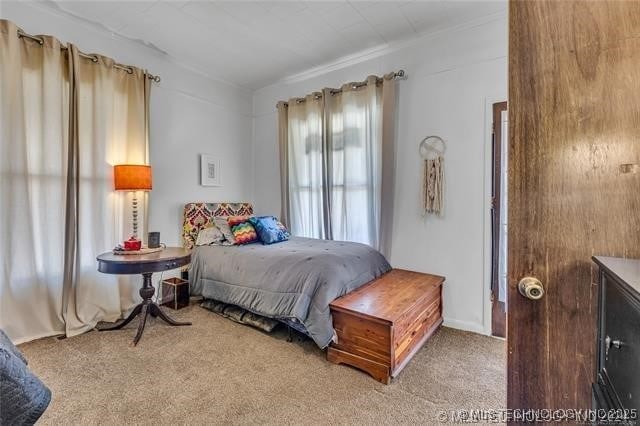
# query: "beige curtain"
387, 185
338, 179
111, 129
34, 93
283, 142
65, 121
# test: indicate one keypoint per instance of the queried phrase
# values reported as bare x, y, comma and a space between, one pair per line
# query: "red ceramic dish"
132, 244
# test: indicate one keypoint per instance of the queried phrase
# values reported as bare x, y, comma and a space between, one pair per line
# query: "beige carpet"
217, 371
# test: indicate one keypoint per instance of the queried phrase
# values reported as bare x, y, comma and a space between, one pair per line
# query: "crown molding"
343, 62
384, 49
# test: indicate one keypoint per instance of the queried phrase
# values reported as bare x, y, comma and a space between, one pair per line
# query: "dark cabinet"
617, 379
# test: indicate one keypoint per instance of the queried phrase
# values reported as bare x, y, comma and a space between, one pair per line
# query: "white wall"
190, 114
452, 77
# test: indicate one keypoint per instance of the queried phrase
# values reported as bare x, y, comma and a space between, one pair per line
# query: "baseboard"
464, 325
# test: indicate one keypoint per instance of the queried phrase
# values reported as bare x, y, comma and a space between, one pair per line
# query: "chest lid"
388, 297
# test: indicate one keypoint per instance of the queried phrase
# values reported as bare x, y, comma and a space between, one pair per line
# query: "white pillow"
211, 235
223, 226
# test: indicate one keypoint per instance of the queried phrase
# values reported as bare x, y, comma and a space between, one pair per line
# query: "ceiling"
255, 43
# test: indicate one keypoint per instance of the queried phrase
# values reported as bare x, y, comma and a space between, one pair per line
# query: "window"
335, 167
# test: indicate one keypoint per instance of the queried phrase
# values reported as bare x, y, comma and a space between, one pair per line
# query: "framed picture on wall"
210, 170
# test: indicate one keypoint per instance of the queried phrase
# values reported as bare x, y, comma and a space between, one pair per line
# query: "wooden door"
574, 123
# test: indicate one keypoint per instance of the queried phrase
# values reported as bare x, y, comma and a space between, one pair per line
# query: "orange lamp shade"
132, 177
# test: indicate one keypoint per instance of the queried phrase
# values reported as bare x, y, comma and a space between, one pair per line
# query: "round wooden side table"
145, 264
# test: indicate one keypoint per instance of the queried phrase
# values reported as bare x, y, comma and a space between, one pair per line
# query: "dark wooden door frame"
498, 309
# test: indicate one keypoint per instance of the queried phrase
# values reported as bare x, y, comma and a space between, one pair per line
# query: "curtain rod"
398, 75
93, 58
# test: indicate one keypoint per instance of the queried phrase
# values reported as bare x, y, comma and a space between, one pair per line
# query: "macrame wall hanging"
432, 152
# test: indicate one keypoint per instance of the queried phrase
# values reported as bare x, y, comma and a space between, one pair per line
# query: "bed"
292, 281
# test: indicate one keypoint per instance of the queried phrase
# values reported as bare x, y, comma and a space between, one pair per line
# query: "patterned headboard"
198, 216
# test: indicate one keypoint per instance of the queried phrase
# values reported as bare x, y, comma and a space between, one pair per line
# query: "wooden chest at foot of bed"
381, 325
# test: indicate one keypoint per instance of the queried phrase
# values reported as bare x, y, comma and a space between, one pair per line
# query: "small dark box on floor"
175, 293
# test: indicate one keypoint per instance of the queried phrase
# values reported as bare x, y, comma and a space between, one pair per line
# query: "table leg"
155, 309
141, 324
124, 322
147, 307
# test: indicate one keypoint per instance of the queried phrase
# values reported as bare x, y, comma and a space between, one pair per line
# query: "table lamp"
133, 177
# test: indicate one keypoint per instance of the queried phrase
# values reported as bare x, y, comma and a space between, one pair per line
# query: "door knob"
531, 288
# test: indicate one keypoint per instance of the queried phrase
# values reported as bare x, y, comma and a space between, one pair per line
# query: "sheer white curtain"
64, 121
339, 152
354, 134
306, 167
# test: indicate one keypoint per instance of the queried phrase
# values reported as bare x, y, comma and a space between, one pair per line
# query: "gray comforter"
295, 279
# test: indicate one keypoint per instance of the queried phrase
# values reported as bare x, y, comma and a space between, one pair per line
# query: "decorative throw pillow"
243, 230
269, 229
222, 224
237, 220
211, 235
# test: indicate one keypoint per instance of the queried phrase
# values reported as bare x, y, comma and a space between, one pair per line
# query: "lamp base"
134, 212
